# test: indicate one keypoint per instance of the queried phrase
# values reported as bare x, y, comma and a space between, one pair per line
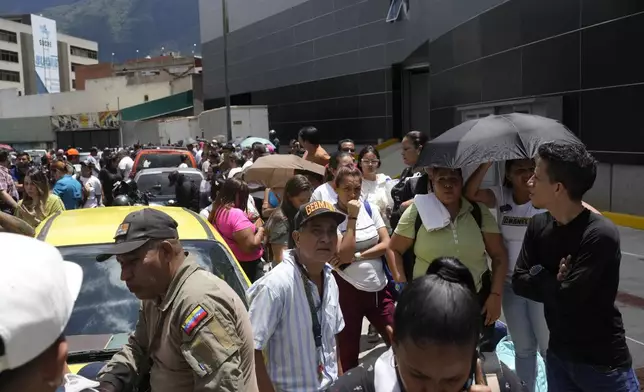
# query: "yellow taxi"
106, 312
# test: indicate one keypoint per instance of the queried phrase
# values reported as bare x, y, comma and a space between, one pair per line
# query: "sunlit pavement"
630, 299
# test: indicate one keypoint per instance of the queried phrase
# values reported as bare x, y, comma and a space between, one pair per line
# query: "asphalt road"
630, 300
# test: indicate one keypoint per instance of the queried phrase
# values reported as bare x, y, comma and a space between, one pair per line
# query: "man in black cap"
193, 332
300, 294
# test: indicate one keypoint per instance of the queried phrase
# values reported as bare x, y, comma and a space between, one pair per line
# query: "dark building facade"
337, 65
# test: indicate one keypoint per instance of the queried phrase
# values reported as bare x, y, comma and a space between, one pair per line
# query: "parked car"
161, 157
105, 312
155, 181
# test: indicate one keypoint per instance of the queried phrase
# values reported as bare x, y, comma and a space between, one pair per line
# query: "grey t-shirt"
278, 232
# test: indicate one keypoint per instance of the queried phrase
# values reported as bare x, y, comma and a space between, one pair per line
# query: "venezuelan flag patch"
194, 318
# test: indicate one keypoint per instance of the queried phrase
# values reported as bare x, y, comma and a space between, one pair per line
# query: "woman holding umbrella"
525, 318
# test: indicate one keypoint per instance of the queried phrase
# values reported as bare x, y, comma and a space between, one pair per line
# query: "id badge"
320, 364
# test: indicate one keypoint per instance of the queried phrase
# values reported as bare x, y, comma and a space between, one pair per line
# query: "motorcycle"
126, 193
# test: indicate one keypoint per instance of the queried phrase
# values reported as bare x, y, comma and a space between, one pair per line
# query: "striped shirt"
283, 329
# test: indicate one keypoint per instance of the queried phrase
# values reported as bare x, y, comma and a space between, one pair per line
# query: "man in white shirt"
295, 310
92, 188
125, 163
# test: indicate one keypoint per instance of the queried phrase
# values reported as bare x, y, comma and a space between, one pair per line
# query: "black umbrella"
492, 139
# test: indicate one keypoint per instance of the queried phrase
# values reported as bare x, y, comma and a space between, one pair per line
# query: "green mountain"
123, 26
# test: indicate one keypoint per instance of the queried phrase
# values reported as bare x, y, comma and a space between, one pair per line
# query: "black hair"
417, 138
232, 194
508, 167
287, 211
334, 161
570, 164
310, 134
365, 151
440, 307
23, 154
4, 155
259, 148
341, 142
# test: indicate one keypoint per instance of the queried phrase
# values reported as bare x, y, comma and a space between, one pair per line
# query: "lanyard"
317, 328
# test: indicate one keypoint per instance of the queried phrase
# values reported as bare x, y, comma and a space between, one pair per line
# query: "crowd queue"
431, 260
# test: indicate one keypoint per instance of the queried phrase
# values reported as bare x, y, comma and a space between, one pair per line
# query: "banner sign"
45, 54
86, 121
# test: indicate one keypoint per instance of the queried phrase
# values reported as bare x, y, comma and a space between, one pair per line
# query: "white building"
18, 57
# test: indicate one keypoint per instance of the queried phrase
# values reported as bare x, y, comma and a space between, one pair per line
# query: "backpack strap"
476, 213
367, 207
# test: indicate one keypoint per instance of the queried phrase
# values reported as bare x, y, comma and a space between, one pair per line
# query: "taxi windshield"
106, 306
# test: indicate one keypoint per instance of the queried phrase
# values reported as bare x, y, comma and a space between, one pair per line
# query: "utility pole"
229, 121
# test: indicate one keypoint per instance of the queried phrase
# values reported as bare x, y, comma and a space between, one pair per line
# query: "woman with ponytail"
434, 340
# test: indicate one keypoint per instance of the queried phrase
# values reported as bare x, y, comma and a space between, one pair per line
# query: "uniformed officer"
193, 332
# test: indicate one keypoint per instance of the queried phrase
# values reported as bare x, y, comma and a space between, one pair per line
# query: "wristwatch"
536, 269
357, 256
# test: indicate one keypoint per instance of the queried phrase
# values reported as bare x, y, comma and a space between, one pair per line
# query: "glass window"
106, 306
8, 36
158, 184
7, 55
9, 76
150, 160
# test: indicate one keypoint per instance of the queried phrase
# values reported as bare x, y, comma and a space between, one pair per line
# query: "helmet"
121, 201
272, 133
72, 152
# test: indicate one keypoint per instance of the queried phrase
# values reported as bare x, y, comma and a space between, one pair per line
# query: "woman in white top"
359, 270
326, 191
376, 187
525, 318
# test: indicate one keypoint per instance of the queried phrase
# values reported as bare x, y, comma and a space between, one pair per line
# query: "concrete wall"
20, 130
120, 93
618, 188
141, 132
100, 95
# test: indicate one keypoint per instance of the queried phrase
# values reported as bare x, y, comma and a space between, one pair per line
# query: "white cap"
37, 294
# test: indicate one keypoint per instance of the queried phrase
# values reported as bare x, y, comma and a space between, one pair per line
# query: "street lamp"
137, 55
163, 51
112, 57
224, 12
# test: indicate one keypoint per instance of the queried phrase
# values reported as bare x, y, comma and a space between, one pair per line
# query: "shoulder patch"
195, 317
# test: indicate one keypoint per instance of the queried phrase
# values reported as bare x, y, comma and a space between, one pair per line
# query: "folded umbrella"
273, 171
249, 141
492, 139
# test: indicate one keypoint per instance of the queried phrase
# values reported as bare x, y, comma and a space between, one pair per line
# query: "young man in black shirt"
570, 262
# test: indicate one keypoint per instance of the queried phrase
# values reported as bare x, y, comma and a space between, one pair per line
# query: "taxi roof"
98, 225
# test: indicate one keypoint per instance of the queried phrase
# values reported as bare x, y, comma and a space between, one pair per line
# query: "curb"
386, 144
632, 221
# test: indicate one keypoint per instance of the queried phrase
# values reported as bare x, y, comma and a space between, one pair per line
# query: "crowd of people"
431, 260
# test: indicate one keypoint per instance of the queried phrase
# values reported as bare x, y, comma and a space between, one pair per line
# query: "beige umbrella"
273, 171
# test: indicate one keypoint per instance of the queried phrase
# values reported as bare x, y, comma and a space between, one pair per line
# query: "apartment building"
35, 58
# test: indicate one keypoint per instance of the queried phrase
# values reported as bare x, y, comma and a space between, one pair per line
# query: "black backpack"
409, 258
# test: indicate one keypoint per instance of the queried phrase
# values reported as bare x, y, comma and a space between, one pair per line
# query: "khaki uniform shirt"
198, 338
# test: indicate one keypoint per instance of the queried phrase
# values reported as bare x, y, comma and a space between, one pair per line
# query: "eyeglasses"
372, 162
348, 150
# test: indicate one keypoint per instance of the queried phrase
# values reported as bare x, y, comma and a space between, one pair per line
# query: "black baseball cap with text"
316, 209
138, 228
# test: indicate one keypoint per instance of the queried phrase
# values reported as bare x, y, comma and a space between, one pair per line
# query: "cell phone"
470, 381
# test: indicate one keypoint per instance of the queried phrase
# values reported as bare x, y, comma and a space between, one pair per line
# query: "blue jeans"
576, 377
529, 332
